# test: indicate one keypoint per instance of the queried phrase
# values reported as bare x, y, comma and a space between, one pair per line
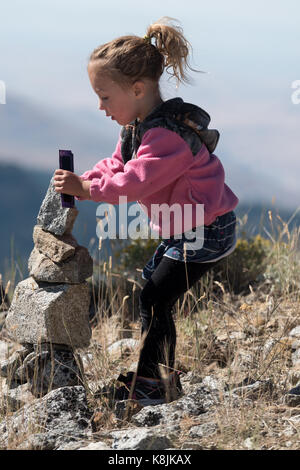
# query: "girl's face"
120, 104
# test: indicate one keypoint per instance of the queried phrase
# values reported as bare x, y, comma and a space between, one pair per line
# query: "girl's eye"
104, 98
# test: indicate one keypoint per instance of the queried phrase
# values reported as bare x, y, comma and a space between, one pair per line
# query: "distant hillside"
22, 192
31, 134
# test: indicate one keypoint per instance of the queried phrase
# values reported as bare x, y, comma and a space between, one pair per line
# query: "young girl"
164, 156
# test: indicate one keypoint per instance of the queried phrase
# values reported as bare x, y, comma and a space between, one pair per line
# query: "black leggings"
168, 282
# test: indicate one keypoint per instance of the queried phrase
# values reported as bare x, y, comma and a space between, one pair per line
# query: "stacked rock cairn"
49, 312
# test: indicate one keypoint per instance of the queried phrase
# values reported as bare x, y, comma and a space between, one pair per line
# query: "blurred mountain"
31, 135
22, 192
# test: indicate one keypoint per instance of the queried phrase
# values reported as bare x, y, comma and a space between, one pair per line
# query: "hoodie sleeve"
107, 166
162, 157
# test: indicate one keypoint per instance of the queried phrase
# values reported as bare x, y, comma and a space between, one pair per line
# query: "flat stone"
140, 439
74, 270
45, 313
52, 216
57, 248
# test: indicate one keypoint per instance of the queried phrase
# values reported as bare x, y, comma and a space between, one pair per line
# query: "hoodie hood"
190, 115
188, 120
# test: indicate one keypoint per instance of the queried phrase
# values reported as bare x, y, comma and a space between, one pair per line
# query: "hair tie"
147, 39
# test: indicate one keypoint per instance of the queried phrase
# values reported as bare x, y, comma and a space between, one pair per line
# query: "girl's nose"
101, 107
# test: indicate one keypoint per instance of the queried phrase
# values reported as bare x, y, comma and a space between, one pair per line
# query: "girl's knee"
147, 296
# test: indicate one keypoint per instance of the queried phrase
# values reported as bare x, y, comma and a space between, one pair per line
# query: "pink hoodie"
164, 172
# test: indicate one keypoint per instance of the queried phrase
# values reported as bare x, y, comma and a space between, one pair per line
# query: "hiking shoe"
145, 391
292, 398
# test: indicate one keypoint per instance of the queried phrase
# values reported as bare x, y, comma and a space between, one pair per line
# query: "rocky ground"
235, 393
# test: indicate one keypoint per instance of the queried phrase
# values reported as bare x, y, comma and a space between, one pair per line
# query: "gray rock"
254, 390
12, 399
295, 332
73, 445
50, 369
4, 350
153, 415
296, 357
294, 376
52, 216
140, 439
191, 378
196, 402
190, 445
212, 383
164, 415
44, 313
295, 420
60, 417
268, 347
95, 446
57, 248
123, 345
10, 365
73, 270
249, 443
295, 344
243, 361
203, 430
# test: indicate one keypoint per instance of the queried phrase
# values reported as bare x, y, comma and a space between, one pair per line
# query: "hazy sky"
45, 44
250, 49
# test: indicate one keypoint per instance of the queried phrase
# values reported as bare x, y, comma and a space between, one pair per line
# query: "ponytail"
130, 58
171, 43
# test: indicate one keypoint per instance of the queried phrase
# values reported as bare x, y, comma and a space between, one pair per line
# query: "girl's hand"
69, 183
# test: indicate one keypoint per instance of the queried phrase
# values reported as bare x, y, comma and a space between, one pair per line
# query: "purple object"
66, 162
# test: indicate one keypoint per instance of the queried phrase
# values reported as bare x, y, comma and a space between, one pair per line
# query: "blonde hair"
130, 58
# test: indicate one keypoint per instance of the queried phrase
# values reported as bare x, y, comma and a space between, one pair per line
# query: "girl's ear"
139, 89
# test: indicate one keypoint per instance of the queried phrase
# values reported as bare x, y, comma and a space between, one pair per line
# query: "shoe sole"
148, 401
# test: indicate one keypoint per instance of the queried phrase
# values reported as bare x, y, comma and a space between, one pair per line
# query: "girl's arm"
162, 157
79, 186
108, 166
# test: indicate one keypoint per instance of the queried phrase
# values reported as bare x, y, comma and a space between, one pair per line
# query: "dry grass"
228, 336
